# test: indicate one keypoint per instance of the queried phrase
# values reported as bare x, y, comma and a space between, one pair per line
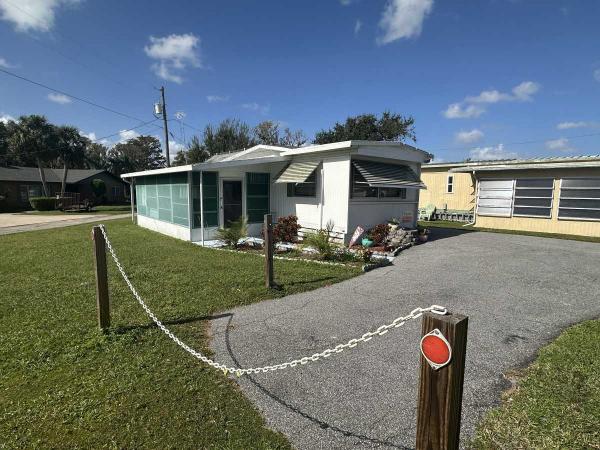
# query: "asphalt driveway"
11, 223
518, 291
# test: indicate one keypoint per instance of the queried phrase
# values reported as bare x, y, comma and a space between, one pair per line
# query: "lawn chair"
427, 212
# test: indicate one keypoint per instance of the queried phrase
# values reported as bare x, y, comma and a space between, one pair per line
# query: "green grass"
65, 384
557, 402
459, 226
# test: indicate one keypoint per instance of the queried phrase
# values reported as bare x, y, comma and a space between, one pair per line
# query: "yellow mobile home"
552, 195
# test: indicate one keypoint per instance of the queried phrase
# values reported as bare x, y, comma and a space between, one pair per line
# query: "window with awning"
301, 179
372, 179
386, 175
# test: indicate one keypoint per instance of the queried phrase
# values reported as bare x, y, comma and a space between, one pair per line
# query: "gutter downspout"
202, 207
475, 207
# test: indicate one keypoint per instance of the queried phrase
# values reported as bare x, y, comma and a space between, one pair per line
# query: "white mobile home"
349, 183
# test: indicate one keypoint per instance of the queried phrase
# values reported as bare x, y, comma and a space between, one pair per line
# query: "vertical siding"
462, 198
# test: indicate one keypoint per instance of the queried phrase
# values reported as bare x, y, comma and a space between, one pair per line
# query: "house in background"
347, 183
552, 195
18, 184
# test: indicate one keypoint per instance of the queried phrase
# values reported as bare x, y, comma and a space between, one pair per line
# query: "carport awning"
297, 172
378, 174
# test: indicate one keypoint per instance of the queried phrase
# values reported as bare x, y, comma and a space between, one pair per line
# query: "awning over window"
378, 174
297, 172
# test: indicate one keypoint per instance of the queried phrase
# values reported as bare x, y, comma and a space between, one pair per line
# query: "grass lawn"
65, 384
557, 402
459, 226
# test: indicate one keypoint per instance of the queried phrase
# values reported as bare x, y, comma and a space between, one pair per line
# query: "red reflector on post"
436, 349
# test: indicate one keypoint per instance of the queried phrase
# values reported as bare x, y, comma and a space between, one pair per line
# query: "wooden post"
268, 237
101, 278
441, 391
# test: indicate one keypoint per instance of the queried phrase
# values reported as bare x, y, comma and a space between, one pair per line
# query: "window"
27, 191
579, 199
116, 191
163, 197
210, 201
533, 197
361, 189
306, 189
450, 184
494, 198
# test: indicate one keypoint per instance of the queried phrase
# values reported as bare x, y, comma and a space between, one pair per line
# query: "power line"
58, 91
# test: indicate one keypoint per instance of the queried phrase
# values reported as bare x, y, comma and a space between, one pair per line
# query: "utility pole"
165, 126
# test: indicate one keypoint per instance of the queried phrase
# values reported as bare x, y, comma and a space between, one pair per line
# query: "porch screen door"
232, 201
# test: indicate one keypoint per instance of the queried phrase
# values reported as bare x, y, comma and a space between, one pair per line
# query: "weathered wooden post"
443, 350
268, 238
101, 278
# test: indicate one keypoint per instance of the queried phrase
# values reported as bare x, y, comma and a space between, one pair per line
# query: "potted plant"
367, 241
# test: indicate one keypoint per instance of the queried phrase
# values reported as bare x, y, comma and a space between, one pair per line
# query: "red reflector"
436, 349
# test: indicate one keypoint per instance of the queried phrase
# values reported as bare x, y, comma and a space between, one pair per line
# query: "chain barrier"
383, 329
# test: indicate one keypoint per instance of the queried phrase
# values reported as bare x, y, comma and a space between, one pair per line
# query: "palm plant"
71, 149
34, 137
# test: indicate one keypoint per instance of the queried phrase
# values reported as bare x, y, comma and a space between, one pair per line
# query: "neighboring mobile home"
347, 183
552, 195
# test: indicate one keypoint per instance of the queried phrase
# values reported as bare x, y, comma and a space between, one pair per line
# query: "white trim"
144, 173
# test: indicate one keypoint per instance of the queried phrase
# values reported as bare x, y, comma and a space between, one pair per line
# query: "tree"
230, 135
96, 156
4, 155
195, 153
139, 153
267, 133
34, 138
292, 139
389, 127
71, 147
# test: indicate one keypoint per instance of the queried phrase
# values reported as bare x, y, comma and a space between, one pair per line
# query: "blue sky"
479, 77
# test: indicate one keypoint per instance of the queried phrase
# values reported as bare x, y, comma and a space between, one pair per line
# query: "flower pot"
366, 242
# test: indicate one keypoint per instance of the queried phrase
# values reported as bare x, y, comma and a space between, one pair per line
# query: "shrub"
98, 189
43, 203
237, 230
321, 241
286, 229
379, 233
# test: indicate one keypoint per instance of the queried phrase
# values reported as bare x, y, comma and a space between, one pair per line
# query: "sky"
483, 79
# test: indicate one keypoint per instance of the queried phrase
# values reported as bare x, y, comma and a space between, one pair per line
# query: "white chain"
383, 329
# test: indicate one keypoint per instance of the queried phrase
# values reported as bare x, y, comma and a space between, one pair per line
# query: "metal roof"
32, 174
506, 162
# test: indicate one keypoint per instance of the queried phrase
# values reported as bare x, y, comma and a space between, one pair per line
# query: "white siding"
170, 229
311, 212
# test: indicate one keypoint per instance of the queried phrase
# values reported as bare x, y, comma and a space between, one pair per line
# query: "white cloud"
488, 97
125, 135
522, 92
262, 109
5, 118
5, 64
458, 111
597, 75
469, 137
32, 15
403, 19
581, 124
217, 98
560, 144
173, 54
59, 98
357, 26
91, 136
490, 153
